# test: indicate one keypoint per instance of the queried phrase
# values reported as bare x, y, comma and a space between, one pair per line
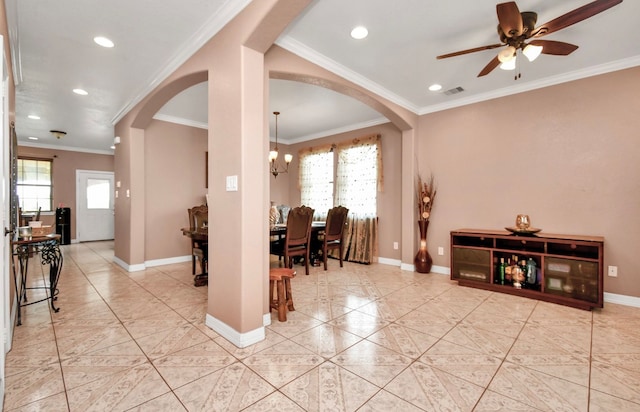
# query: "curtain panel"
358, 179
360, 240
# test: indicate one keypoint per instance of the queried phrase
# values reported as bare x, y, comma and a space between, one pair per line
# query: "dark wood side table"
48, 247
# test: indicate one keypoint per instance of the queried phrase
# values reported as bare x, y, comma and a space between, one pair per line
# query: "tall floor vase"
423, 260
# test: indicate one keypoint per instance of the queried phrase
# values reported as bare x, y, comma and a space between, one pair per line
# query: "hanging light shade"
507, 54
509, 65
274, 166
532, 52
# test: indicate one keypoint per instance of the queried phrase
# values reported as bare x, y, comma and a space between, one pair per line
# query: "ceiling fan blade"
510, 19
575, 16
489, 67
557, 48
475, 49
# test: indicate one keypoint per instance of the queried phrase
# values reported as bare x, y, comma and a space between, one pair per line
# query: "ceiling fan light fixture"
509, 65
532, 52
507, 54
58, 133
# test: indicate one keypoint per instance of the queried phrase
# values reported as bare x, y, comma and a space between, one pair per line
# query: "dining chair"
334, 232
198, 218
297, 238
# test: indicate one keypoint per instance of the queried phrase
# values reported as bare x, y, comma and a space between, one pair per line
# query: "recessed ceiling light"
359, 32
34, 117
81, 92
435, 87
103, 41
33, 138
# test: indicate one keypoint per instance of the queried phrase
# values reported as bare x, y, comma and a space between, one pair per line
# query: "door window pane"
98, 194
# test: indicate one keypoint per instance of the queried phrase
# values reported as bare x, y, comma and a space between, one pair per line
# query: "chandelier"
273, 156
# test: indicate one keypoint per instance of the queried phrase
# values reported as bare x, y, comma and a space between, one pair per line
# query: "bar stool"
281, 279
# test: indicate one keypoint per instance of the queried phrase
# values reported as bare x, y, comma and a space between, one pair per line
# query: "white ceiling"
54, 52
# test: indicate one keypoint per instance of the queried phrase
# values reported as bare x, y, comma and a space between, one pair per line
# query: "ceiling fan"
518, 31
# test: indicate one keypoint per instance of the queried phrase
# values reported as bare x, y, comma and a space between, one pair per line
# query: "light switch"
128, 193
232, 183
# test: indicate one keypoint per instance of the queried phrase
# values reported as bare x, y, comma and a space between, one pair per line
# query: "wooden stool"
281, 277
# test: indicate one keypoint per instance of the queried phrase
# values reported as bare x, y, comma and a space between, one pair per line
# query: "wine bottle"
531, 272
501, 271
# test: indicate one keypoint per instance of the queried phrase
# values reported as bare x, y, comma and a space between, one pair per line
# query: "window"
316, 181
357, 181
34, 186
359, 176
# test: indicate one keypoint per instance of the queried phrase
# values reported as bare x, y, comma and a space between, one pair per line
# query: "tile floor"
366, 338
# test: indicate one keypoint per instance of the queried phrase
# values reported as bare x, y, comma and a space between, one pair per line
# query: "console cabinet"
568, 268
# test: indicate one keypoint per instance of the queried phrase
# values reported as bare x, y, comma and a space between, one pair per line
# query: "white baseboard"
128, 267
241, 340
622, 299
150, 263
266, 319
390, 262
167, 261
443, 270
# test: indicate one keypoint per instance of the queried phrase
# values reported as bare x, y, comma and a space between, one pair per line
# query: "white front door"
94, 205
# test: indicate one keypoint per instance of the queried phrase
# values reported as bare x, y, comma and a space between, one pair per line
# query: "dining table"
202, 236
317, 227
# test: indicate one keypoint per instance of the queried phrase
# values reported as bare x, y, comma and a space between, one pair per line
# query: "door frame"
8, 219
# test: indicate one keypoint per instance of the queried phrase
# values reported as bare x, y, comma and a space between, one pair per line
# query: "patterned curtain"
361, 239
315, 179
358, 179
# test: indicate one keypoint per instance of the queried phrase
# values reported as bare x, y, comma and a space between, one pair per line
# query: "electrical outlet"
395, 246
440, 251
613, 271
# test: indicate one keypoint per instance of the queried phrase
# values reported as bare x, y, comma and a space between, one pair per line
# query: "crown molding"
326, 63
331, 132
66, 148
11, 7
539, 84
210, 28
180, 120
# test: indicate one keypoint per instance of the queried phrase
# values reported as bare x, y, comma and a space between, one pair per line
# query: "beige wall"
175, 169
566, 155
279, 188
65, 164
